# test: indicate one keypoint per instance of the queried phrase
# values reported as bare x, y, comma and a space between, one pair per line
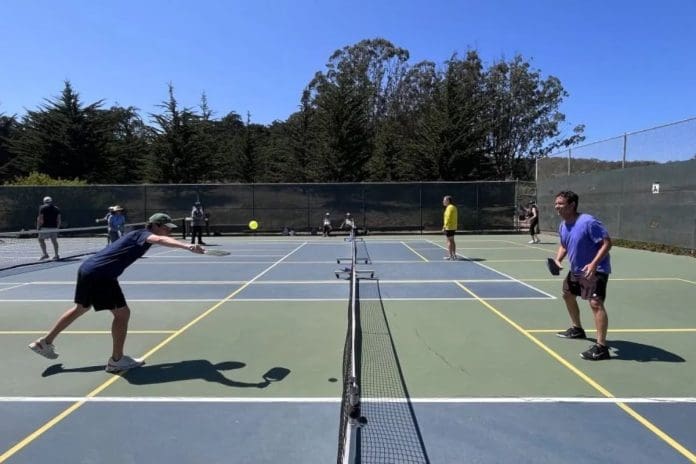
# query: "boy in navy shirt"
97, 285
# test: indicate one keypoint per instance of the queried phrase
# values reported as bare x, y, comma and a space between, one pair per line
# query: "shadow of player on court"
182, 370
624, 350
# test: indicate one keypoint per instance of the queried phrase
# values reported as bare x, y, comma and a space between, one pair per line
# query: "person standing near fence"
326, 225
47, 225
534, 222
197, 223
586, 242
449, 226
117, 223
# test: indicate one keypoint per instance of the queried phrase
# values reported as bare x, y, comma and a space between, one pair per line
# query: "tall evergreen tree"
63, 139
9, 128
126, 150
177, 146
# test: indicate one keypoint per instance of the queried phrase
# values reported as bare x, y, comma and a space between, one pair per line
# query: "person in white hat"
97, 285
117, 223
47, 225
327, 225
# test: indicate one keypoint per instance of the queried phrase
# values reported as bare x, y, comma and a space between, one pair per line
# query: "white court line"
157, 300
14, 286
182, 300
269, 282
226, 399
502, 274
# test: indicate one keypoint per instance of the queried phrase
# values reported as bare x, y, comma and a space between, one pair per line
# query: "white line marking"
226, 399
503, 274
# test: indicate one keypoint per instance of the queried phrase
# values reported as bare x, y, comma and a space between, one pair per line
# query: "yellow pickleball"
253, 225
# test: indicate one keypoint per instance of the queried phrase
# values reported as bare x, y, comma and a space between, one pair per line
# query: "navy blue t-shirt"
50, 216
117, 256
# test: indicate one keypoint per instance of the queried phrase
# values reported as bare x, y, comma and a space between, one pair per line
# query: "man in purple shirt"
97, 285
586, 242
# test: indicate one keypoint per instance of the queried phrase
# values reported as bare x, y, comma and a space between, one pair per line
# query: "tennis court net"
21, 249
351, 418
378, 423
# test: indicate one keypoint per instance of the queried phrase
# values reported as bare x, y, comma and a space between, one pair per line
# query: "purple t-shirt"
117, 256
582, 240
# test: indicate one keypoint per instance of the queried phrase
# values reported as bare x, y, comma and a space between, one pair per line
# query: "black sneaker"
596, 353
573, 332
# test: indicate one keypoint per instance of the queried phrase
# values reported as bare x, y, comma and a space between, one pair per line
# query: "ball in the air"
253, 225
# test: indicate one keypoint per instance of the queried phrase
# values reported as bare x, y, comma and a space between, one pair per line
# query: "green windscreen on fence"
416, 206
655, 204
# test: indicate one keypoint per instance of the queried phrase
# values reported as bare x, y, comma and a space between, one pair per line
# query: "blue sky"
627, 65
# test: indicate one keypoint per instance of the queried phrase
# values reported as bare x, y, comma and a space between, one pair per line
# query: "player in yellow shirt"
450, 226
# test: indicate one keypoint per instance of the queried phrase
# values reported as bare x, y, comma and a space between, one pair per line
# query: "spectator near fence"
47, 225
198, 221
533, 216
326, 225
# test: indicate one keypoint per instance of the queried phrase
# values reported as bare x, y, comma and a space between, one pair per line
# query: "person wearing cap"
348, 222
197, 223
105, 219
47, 225
117, 223
97, 285
327, 225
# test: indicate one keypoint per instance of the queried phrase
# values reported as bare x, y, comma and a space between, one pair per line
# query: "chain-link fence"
657, 145
642, 185
483, 206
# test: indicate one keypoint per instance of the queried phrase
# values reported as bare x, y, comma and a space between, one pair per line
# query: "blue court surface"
244, 358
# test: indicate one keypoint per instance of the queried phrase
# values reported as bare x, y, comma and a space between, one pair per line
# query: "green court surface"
244, 333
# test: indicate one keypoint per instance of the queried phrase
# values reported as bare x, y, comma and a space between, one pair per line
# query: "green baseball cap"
161, 219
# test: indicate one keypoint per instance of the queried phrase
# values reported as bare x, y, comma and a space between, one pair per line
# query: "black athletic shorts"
102, 293
450, 233
592, 288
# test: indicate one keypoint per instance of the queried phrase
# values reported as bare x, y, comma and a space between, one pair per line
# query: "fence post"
623, 159
569, 155
420, 204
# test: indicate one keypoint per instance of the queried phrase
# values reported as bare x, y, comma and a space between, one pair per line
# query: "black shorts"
450, 233
592, 288
534, 227
102, 293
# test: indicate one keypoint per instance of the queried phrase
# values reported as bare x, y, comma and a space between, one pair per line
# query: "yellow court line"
40, 431
418, 254
627, 409
84, 332
619, 330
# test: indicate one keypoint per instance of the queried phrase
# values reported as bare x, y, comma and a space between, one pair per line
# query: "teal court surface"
460, 362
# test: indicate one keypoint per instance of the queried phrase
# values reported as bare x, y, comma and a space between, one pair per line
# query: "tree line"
368, 116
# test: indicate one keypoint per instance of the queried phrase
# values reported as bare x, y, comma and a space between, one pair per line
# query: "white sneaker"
43, 257
44, 349
532, 241
56, 258
123, 364
447, 258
